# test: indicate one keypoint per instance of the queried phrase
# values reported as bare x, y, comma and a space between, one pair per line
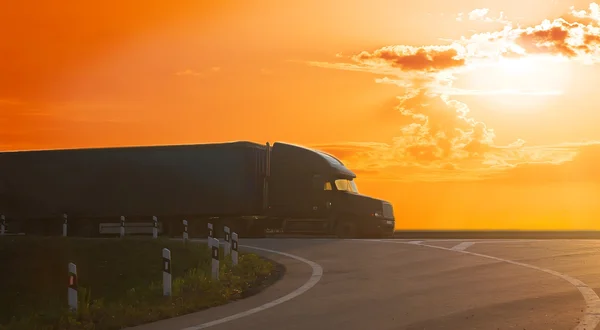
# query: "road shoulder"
296, 274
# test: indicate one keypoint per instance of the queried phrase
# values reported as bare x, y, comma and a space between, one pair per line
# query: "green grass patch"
120, 281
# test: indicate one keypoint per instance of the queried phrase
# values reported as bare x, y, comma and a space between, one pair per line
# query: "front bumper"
379, 227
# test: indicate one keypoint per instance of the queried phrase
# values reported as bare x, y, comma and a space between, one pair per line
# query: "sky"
474, 114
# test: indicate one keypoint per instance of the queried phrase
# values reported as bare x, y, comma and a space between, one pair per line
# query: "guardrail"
230, 248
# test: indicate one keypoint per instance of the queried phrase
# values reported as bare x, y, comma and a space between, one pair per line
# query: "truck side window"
327, 186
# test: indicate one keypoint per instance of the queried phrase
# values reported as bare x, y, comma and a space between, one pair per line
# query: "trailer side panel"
212, 179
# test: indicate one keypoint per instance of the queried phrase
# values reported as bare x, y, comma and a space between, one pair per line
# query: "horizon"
477, 115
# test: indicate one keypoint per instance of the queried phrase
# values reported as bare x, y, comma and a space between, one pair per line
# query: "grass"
120, 281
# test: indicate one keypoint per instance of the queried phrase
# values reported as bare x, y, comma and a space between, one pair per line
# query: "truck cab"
317, 194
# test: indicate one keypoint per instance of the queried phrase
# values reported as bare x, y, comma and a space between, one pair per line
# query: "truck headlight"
378, 214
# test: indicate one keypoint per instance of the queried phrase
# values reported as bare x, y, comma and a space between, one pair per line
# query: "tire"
345, 230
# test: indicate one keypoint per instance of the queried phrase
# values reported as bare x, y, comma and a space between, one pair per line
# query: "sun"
531, 75
542, 75
516, 67
524, 85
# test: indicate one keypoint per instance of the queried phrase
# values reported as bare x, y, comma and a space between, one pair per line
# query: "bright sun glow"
515, 84
528, 75
523, 76
517, 67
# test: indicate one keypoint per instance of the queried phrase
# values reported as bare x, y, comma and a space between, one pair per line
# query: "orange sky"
464, 114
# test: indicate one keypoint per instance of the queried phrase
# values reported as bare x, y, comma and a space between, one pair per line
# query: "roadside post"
227, 247
166, 254
154, 227
215, 258
234, 248
122, 226
210, 234
185, 231
72, 290
2, 225
64, 226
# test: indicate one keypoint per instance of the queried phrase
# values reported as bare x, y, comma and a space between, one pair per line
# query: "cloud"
481, 14
589, 16
478, 14
440, 139
409, 58
359, 67
439, 134
572, 39
514, 163
551, 38
582, 167
559, 37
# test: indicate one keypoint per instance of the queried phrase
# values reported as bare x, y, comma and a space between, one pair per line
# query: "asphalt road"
408, 284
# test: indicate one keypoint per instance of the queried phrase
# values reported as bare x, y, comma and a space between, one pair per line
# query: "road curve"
411, 284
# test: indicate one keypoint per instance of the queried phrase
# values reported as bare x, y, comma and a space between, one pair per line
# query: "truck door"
322, 197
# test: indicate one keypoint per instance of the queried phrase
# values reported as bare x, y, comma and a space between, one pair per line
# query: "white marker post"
210, 234
72, 291
185, 231
122, 226
166, 254
215, 258
65, 225
2, 224
234, 248
227, 247
155, 227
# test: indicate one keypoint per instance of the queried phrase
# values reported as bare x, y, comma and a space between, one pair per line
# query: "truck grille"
388, 211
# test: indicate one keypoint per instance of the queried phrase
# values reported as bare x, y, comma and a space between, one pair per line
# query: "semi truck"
252, 188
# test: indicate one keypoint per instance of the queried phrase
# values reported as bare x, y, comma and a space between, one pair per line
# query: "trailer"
247, 186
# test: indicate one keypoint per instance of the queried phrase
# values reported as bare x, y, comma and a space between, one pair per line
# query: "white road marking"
426, 239
591, 316
462, 246
475, 240
492, 241
317, 273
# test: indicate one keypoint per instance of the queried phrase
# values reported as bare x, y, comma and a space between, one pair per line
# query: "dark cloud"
407, 58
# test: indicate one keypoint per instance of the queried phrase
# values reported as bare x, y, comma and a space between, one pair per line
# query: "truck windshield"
346, 185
